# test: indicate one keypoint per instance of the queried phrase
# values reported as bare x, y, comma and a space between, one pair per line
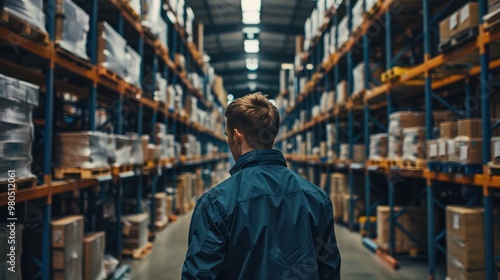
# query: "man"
265, 221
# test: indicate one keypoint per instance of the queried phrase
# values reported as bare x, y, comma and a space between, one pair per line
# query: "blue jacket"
264, 222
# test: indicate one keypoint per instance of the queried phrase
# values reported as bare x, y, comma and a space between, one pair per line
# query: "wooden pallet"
116, 170
80, 173
491, 20
20, 184
24, 28
459, 39
126, 6
381, 163
393, 163
413, 164
69, 56
108, 74
139, 254
493, 168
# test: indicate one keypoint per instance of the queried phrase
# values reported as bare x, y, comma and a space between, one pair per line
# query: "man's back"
265, 222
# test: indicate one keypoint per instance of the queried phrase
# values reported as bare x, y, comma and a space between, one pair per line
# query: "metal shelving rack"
382, 96
123, 93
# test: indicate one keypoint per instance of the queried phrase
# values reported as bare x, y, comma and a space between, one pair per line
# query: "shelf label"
497, 150
464, 14
464, 152
456, 221
433, 150
442, 149
453, 21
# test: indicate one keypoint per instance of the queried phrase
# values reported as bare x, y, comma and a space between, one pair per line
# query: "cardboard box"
359, 208
467, 150
67, 247
465, 223
469, 253
94, 245
337, 206
448, 129
414, 147
457, 272
470, 128
135, 230
412, 220
359, 153
378, 146
338, 182
433, 150
465, 17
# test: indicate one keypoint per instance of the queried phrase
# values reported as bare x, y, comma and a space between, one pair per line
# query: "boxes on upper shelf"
414, 145
85, 149
448, 130
470, 128
111, 49
397, 122
466, 17
378, 146
72, 26
343, 32
27, 10
467, 150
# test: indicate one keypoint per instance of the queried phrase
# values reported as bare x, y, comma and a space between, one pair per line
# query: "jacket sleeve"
207, 245
327, 251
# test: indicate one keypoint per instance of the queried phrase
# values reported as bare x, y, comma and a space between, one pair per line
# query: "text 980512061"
11, 221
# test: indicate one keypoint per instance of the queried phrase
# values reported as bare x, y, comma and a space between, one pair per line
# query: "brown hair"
256, 117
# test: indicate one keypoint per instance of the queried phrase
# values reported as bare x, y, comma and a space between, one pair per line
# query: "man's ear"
237, 136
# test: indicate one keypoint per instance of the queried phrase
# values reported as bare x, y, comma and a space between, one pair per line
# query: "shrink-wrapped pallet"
26, 10
72, 26
378, 146
414, 146
86, 149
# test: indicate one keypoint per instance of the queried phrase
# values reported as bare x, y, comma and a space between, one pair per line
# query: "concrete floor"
165, 262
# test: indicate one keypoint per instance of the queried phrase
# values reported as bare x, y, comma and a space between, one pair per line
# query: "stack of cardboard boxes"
339, 194
161, 218
135, 231
397, 122
412, 220
378, 146
465, 242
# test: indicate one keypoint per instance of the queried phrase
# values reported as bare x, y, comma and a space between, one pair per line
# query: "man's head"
252, 123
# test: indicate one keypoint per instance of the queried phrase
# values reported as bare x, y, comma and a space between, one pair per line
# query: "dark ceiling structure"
225, 33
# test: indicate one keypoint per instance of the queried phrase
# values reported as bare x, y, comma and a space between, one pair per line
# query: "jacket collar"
258, 158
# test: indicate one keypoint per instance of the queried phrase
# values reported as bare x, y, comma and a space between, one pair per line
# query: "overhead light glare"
230, 97
287, 66
272, 102
252, 64
310, 66
251, 17
251, 5
252, 86
252, 46
252, 76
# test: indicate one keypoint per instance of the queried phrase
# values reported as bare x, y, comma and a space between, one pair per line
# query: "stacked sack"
16, 137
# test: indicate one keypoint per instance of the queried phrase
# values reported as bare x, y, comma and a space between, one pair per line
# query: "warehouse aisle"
357, 263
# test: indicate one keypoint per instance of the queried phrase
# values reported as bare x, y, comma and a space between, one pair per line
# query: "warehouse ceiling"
225, 33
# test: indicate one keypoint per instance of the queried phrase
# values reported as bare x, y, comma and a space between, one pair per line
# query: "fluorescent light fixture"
252, 86
252, 46
251, 5
310, 66
138, 96
252, 76
252, 64
287, 66
251, 30
230, 97
251, 17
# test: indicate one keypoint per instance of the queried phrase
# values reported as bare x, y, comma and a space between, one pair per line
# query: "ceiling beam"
270, 28
269, 56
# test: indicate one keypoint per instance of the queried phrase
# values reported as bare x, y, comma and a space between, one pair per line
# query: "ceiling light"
251, 17
251, 5
310, 66
252, 76
252, 46
230, 97
287, 66
252, 63
252, 86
